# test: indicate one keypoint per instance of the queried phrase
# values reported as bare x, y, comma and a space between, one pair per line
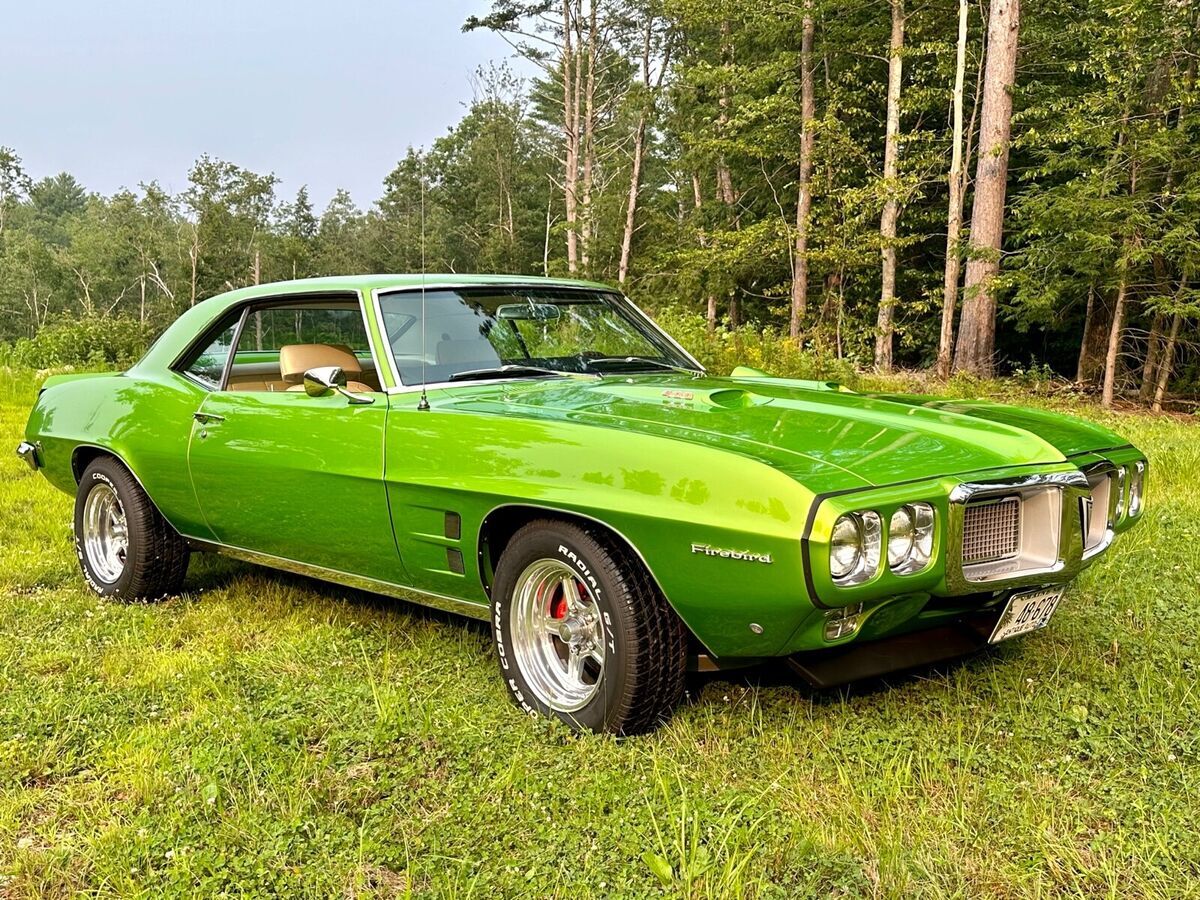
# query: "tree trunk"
588, 142
891, 206
570, 77
1114, 343
1095, 338
724, 178
639, 148
804, 189
977, 331
1168, 360
954, 214
1149, 367
698, 198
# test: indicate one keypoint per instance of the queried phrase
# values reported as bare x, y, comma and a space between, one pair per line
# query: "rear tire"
126, 549
583, 633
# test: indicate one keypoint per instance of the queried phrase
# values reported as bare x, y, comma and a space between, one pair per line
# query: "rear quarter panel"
145, 420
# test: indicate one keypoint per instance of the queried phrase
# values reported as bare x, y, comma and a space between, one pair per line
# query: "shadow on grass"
212, 573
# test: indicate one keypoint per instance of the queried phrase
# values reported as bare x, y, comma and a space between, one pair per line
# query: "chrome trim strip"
30, 454
456, 605
1073, 486
1105, 469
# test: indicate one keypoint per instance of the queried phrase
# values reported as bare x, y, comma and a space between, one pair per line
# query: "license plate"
1026, 612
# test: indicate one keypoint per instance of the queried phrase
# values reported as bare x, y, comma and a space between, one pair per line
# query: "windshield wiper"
515, 369
645, 360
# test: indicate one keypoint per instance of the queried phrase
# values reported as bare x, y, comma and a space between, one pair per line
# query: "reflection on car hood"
804, 428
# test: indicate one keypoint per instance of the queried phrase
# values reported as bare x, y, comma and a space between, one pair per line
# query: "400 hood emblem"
744, 555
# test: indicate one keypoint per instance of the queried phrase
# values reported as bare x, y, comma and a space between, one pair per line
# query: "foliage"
769, 349
99, 342
271, 735
1103, 188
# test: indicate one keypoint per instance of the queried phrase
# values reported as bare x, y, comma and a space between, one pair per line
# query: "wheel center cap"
571, 630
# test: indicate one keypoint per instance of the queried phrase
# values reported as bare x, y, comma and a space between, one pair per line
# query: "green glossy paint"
668, 462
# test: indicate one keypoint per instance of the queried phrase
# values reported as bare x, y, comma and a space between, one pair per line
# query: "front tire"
126, 549
582, 632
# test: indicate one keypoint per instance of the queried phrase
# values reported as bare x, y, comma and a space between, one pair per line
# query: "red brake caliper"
558, 604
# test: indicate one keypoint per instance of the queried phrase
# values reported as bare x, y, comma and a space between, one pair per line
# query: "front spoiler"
31, 454
870, 659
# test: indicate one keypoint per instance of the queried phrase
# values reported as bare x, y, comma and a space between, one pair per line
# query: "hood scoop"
685, 397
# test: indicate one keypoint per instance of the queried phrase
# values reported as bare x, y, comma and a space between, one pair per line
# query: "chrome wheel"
557, 635
105, 535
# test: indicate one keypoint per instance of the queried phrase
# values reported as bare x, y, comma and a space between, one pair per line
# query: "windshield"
473, 331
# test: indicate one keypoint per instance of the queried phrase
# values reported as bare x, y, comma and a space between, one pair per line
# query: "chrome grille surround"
1050, 544
991, 530
1098, 510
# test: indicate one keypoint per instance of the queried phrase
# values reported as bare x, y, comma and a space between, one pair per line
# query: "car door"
281, 473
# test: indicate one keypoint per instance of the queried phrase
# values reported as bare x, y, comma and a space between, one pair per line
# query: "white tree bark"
804, 186
891, 206
954, 214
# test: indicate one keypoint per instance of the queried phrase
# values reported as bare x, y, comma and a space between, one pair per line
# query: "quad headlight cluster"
856, 545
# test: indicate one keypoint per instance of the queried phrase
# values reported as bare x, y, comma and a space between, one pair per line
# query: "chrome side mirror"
325, 380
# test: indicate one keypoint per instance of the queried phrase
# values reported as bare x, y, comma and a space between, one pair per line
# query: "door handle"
205, 418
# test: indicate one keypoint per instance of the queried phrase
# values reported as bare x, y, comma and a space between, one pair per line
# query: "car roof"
198, 318
398, 280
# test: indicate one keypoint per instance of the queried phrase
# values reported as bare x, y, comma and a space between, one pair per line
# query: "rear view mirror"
529, 312
325, 380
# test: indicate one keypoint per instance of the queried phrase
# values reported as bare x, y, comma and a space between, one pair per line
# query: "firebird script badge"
744, 555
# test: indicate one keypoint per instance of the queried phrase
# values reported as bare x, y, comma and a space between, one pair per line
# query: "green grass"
265, 734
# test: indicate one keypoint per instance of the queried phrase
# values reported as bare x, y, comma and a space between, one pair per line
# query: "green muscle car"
538, 454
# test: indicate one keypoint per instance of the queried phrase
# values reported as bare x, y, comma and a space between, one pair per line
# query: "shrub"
100, 342
769, 349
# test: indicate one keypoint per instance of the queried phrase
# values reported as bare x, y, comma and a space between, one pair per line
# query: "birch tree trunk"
1114, 341
711, 299
588, 138
977, 331
804, 188
570, 78
639, 146
891, 206
954, 213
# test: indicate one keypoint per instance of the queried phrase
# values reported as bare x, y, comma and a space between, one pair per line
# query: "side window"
208, 365
279, 342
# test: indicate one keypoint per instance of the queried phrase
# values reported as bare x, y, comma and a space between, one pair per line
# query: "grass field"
265, 734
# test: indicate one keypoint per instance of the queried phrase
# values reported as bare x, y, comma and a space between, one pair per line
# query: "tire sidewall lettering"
586, 570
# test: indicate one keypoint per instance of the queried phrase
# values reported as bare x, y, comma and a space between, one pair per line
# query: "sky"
328, 93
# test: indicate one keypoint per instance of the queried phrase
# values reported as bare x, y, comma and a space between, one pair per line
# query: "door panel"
297, 477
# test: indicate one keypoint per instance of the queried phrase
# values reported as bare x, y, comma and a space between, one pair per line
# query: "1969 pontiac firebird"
540, 455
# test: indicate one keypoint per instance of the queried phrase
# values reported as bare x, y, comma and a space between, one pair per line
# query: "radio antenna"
423, 403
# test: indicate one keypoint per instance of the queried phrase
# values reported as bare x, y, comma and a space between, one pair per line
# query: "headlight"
910, 538
855, 547
1120, 511
1137, 479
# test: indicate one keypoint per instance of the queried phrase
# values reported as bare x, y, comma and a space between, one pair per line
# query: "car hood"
803, 428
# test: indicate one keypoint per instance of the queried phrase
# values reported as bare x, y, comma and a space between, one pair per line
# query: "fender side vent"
454, 561
453, 525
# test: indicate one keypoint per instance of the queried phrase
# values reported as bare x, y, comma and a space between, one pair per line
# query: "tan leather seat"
296, 359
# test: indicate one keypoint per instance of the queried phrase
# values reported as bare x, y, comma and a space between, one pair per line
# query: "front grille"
991, 530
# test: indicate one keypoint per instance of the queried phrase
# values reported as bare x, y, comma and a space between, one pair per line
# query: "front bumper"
956, 637
31, 454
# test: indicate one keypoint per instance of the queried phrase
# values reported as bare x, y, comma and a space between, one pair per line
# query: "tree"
891, 203
977, 331
808, 115
956, 182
